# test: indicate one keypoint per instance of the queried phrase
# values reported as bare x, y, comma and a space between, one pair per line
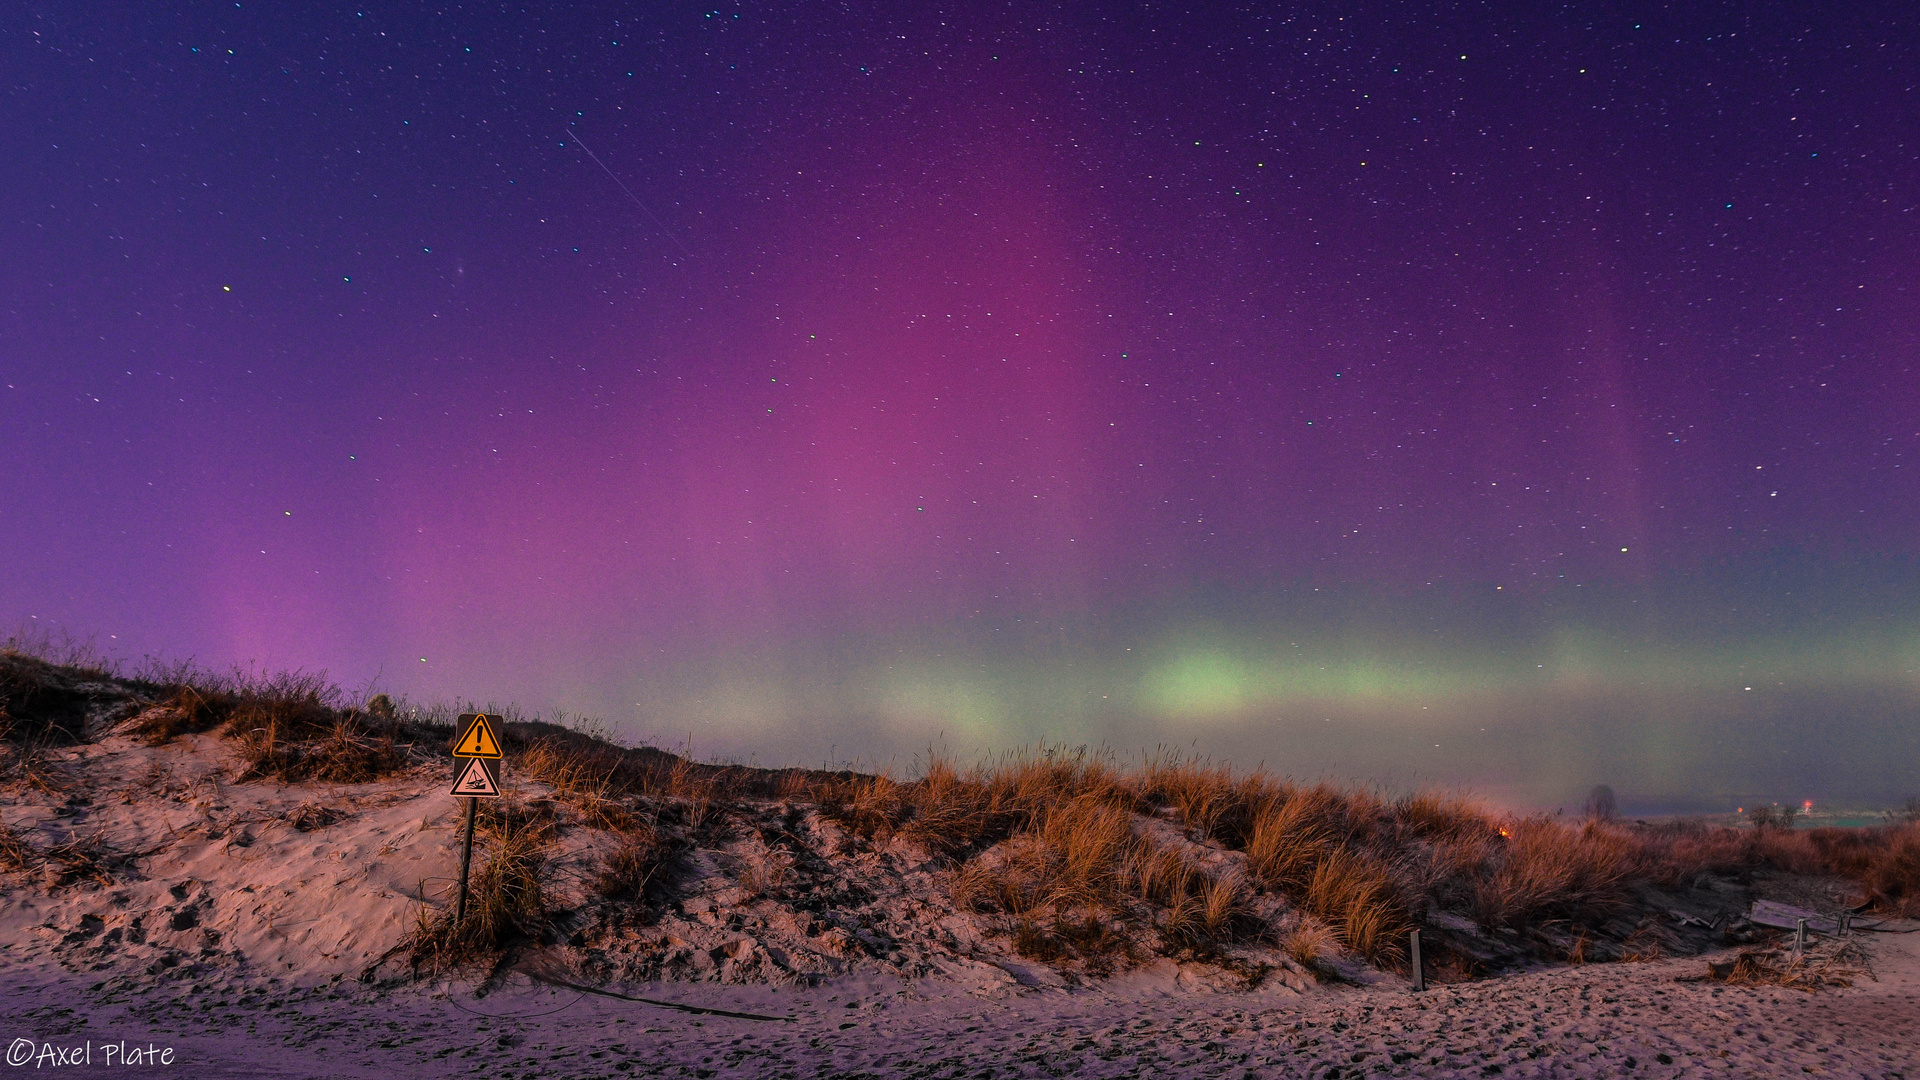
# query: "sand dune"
156, 906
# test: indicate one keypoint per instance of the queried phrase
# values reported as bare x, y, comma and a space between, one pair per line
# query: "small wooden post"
1800, 938
466, 861
1419, 975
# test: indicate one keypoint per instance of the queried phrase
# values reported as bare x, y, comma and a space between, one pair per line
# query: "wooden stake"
1419, 975
466, 861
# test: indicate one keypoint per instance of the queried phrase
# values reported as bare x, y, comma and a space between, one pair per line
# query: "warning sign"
479, 780
476, 737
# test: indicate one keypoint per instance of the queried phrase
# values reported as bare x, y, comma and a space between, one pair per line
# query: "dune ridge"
171, 830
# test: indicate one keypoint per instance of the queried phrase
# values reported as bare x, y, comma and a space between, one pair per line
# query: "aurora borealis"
1404, 393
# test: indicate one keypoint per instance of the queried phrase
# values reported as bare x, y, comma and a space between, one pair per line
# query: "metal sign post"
478, 778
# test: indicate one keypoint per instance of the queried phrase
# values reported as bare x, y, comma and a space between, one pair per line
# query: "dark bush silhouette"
1601, 805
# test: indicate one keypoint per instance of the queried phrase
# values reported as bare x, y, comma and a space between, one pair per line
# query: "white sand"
1605, 1020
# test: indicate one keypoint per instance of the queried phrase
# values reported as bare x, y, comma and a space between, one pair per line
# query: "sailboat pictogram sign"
478, 780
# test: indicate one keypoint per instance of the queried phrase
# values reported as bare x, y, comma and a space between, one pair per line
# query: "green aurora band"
1681, 694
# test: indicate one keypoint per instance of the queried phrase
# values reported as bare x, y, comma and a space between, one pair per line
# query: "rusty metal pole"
466, 861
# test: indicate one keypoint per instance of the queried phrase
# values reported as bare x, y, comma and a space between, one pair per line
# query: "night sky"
1514, 396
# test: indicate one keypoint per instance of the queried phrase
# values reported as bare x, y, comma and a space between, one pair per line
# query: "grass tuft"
628, 870
1310, 943
309, 816
86, 860
1836, 966
16, 855
582, 778
872, 806
1290, 838
42, 704
1361, 898
290, 727
507, 902
1549, 870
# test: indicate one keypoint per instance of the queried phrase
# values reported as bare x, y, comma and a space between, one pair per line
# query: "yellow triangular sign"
476, 738
476, 781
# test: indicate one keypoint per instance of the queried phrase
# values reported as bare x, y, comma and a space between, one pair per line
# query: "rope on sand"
700, 1010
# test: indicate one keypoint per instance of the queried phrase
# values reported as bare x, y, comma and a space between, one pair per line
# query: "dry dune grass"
1209, 799
288, 727
1076, 854
583, 764
1829, 964
42, 703
1444, 817
1309, 942
1059, 827
1052, 838
1547, 869
1884, 862
1364, 902
508, 898
583, 780
310, 816
1084, 868
953, 811
345, 752
630, 870
15, 853
1291, 836
31, 763
41, 708
1083, 855
1891, 875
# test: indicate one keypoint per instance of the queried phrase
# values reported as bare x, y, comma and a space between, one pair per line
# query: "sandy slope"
222, 874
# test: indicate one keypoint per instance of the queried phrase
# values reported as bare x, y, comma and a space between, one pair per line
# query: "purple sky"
1412, 395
